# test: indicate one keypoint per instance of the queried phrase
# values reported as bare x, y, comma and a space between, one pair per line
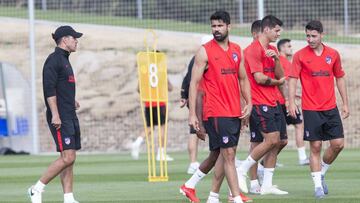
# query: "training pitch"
118, 178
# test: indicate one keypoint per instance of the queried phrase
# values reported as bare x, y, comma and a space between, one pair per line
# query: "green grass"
172, 25
117, 178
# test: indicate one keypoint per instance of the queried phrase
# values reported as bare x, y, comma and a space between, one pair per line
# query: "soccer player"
59, 94
317, 65
135, 146
285, 51
223, 62
265, 73
193, 139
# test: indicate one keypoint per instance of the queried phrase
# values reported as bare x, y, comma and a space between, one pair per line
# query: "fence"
113, 34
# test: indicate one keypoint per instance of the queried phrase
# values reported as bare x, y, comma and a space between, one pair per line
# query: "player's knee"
213, 156
272, 142
68, 159
338, 147
315, 148
283, 143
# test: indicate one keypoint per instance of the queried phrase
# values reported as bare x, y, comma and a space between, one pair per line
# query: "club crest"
328, 59
225, 139
265, 108
307, 134
67, 141
253, 134
235, 57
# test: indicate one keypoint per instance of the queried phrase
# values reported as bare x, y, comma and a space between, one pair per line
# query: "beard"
220, 37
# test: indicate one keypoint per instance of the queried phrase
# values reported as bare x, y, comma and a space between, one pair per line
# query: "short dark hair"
58, 41
270, 21
315, 25
256, 26
221, 15
282, 42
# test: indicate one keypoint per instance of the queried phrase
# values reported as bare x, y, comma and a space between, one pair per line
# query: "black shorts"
68, 136
266, 119
155, 115
322, 125
289, 119
223, 132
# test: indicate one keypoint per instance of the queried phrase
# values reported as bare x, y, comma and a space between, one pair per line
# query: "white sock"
139, 140
69, 197
301, 153
238, 199
268, 176
316, 176
39, 186
254, 183
246, 164
260, 167
324, 167
194, 164
214, 195
195, 178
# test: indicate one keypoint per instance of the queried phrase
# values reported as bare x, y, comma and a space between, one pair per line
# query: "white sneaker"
72, 201
237, 162
212, 200
167, 157
279, 165
34, 195
242, 181
135, 150
304, 162
193, 167
272, 190
256, 190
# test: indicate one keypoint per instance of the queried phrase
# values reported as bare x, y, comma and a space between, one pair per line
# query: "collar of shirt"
62, 52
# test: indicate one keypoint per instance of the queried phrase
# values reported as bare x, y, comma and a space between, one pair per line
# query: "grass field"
172, 25
117, 178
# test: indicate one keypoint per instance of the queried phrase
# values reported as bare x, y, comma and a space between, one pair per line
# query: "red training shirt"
221, 80
317, 74
257, 61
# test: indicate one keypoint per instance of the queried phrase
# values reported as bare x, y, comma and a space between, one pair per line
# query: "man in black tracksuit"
193, 139
59, 95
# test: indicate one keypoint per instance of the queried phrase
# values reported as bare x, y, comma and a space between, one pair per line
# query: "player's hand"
271, 53
245, 123
293, 110
194, 122
345, 111
183, 102
282, 80
245, 113
201, 134
56, 122
77, 105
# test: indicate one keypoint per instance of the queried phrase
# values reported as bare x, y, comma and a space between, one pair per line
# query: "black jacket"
59, 81
186, 82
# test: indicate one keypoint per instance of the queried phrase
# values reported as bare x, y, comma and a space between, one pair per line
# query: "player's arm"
245, 89
170, 86
292, 82
256, 68
279, 70
186, 84
341, 86
201, 134
265, 80
49, 85
199, 67
292, 90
